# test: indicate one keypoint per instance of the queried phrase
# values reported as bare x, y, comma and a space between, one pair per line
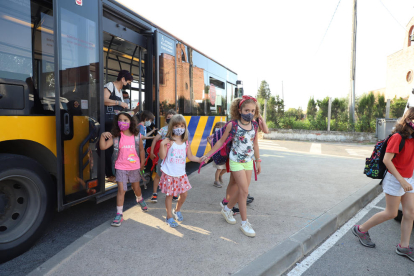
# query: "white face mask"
147, 123
217, 128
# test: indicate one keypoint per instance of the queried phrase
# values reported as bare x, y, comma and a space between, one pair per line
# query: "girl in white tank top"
174, 150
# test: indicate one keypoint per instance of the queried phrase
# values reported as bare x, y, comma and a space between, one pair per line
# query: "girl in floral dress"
174, 150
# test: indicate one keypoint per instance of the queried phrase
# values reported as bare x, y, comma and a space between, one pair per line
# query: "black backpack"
374, 165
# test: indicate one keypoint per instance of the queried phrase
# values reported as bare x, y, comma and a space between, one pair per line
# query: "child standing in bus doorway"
161, 135
398, 186
128, 157
220, 168
146, 119
244, 145
174, 150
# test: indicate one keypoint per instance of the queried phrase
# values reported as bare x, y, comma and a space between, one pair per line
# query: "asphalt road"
347, 256
69, 225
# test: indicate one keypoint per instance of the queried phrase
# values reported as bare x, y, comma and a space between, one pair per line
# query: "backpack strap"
166, 155
402, 143
115, 153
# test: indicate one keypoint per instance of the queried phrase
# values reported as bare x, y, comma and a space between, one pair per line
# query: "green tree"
397, 107
339, 112
379, 109
311, 110
264, 91
365, 112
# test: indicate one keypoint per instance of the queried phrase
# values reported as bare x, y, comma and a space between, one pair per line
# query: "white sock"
119, 209
243, 222
139, 198
226, 208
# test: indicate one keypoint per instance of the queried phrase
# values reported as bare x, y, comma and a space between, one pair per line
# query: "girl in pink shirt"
174, 150
128, 158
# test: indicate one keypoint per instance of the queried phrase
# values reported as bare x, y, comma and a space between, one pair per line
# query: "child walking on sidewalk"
220, 168
174, 150
397, 186
244, 145
128, 151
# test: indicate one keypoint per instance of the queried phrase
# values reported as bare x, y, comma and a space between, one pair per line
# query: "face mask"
147, 123
411, 124
216, 129
247, 117
126, 101
178, 131
167, 121
123, 125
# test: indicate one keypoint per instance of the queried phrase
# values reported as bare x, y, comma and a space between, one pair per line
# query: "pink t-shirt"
127, 157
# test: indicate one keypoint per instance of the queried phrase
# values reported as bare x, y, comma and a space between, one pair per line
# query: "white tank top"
174, 164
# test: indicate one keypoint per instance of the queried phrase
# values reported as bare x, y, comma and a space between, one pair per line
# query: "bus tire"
26, 204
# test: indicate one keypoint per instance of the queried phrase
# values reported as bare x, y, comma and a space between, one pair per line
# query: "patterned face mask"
247, 117
178, 131
411, 124
123, 125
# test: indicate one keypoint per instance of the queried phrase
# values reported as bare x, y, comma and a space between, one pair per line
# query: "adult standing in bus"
113, 100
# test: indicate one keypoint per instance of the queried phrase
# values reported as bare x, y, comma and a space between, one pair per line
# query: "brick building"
400, 66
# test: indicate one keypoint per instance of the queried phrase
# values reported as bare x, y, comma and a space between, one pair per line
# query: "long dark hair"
116, 132
402, 127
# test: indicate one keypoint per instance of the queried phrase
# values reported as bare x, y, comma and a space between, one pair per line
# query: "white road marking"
322, 249
316, 148
377, 207
359, 152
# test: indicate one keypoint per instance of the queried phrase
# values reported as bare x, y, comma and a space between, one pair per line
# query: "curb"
283, 256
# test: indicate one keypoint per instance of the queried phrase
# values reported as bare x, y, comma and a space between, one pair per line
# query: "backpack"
222, 154
115, 154
374, 165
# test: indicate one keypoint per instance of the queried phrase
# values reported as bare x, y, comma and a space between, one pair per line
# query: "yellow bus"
55, 57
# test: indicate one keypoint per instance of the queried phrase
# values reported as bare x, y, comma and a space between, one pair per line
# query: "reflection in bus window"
167, 83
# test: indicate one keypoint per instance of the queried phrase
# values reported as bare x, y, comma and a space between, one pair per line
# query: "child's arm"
263, 125
219, 143
191, 157
103, 143
393, 170
141, 154
257, 154
163, 152
149, 133
154, 142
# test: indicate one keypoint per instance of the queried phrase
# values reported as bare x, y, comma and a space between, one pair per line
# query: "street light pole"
353, 60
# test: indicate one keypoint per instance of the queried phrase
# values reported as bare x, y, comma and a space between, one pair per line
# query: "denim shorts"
392, 187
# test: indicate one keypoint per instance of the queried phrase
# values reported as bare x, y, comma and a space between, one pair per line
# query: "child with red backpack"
174, 150
397, 185
128, 152
244, 144
154, 156
221, 166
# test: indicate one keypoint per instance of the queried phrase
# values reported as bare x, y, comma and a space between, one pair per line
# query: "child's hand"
142, 167
107, 135
204, 159
165, 141
258, 167
406, 186
152, 156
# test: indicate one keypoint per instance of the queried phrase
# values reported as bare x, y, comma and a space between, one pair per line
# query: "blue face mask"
147, 123
247, 117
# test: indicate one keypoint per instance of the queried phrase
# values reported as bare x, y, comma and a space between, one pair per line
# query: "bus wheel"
26, 204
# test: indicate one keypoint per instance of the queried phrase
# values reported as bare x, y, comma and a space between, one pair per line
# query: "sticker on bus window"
79, 2
84, 104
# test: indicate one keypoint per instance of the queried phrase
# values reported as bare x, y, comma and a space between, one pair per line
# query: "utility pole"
353, 59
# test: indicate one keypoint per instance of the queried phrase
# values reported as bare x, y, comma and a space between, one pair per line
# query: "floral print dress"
242, 145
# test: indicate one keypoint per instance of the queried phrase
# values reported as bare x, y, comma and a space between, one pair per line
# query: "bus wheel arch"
26, 203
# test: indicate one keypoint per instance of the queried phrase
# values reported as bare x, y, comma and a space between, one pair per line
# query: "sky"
289, 41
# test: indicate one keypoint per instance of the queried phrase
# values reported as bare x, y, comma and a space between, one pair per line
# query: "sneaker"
407, 252
248, 201
117, 220
247, 229
364, 238
178, 216
143, 205
250, 197
235, 211
228, 216
221, 180
171, 222
217, 184
223, 203
154, 198
175, 198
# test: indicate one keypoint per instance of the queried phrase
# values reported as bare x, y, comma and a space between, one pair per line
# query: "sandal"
178, 216
171, 222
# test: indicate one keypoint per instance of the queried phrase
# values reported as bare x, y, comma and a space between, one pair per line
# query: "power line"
392, 15
323, 38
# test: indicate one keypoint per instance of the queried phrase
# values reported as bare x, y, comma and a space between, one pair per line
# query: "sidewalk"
293, 191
